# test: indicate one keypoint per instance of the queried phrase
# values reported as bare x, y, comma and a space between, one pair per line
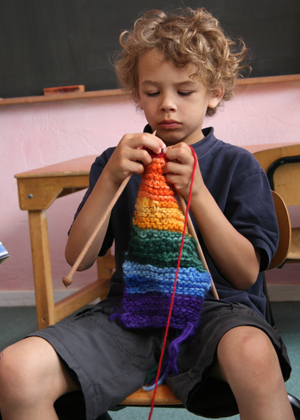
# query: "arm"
128, 157
234, 256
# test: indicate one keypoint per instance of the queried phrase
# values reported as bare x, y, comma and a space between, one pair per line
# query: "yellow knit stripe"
147, 201
150, 214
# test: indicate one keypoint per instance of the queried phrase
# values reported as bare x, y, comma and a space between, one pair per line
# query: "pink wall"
42, 134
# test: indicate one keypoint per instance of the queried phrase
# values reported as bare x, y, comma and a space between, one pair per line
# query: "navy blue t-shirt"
240, 188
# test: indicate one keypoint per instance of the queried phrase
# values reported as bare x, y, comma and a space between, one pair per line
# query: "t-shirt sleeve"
251, 211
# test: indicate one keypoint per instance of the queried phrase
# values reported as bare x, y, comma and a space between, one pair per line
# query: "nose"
168, 103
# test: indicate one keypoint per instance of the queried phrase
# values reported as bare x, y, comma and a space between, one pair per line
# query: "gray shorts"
109, 362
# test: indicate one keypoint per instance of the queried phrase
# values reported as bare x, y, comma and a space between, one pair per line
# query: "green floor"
17, 322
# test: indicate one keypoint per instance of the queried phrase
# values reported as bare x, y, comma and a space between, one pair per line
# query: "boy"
179, 69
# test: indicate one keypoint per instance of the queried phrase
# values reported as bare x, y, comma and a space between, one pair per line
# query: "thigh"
107, 361
198, 384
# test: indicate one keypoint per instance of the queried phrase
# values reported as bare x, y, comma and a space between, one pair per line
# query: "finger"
140, 155
174, 167
181, 185
179, 153
149, 141
136, 167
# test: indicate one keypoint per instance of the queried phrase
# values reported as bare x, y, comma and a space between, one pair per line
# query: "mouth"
169, 124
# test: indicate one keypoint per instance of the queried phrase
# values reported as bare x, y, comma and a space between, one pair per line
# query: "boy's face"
174, 104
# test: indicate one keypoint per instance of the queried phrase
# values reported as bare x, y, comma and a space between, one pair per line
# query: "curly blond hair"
189, 37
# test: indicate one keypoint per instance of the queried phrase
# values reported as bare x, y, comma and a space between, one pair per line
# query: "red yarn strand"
175, 283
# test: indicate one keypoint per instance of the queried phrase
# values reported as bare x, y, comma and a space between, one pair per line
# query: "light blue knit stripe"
148, 278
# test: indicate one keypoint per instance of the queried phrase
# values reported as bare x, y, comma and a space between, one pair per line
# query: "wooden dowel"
199, 249
67, 280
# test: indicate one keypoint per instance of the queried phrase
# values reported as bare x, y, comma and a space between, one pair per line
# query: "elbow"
251, 275
71, 260
247, 284
244, 278
249, 279
81, 267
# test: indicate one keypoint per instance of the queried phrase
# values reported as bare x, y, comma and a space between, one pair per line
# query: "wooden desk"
40, 187
37, 190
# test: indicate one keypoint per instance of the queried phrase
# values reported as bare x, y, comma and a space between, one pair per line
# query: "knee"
257, 352
15, 377
19, 376
248, 353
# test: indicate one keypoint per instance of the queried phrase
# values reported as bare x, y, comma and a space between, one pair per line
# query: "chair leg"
104, 416
295, 403
269, 314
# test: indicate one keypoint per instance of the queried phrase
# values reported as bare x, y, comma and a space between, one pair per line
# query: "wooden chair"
164, 396
282, 166
38, 189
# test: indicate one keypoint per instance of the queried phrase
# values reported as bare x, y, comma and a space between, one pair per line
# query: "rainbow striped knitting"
150, 265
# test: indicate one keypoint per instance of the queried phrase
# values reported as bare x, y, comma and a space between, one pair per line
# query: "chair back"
284, 224
282, 166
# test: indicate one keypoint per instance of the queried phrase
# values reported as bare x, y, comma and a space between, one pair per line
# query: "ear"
138, 98
216, 96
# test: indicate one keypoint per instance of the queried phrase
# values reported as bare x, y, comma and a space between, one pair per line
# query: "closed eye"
185, 93
150, 94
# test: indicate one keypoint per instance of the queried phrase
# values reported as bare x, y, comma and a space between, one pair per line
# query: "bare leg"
248, 361
32, 377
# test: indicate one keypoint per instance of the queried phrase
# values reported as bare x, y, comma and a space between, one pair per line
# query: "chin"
171, 137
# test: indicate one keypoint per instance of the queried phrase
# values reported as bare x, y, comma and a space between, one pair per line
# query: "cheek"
140, 104
149, 109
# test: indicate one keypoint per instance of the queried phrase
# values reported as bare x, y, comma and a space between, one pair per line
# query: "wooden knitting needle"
67, 280
199, 249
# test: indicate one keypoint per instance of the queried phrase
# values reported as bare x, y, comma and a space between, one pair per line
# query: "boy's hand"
131, 157
178, 170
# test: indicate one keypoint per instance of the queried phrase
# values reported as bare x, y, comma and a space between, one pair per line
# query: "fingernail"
165, 150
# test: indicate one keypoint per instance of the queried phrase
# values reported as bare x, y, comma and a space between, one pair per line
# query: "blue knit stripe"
148, 278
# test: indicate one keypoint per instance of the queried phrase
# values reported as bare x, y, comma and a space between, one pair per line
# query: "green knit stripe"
160, 248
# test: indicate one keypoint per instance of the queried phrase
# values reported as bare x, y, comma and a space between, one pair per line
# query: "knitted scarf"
151, 263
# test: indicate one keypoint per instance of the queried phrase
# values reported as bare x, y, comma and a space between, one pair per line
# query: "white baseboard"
277, 293
27, 297
284, 293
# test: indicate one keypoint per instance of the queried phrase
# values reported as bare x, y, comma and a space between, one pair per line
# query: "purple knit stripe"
151, 310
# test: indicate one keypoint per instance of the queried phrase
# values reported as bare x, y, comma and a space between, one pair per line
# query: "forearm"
234, 256
86, 222
129, 157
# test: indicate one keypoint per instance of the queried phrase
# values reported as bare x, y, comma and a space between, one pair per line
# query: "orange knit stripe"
146, 223
154, 183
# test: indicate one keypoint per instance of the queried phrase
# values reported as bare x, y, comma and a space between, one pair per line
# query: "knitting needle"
199, 249
67, 280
